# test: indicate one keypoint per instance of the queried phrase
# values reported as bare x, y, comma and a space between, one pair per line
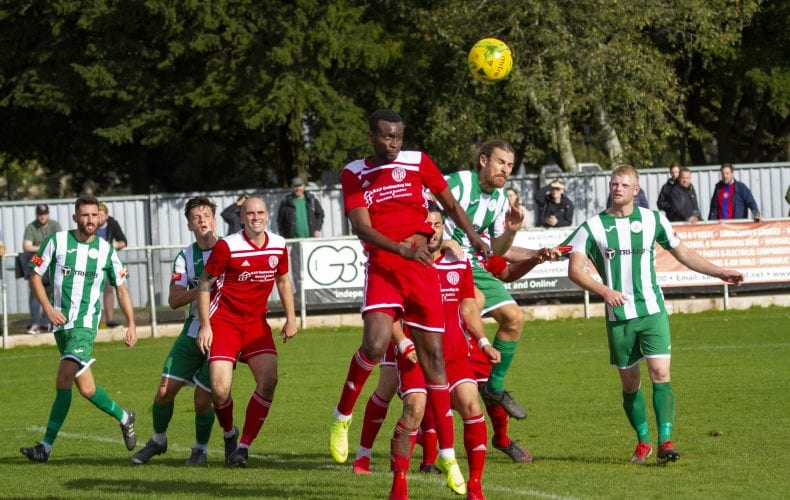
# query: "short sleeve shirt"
37, 234
394, 194
77, 271
622, 249
187, 269
245, 276
456, 283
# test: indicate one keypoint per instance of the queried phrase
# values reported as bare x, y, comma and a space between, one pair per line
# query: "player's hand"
731, 277
513, 219
453, 248
614, 298
56, 317
493, 355
421, 254
289, 330
204, 339
482, 248
131, 336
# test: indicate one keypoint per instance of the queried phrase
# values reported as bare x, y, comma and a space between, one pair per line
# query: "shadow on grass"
93, 487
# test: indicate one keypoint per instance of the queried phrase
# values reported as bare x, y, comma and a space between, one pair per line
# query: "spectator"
663, 196
557, 208
640, 199
787, 198
231, 215
111, 231
515, 204
35, 234
732, 199
300, 214
683, 205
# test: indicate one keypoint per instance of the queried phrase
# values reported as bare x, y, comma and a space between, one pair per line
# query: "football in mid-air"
490, 60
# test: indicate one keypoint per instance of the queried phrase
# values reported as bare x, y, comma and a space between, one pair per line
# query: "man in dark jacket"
732, 199
300, 214
556, 209
110, 230
683, 205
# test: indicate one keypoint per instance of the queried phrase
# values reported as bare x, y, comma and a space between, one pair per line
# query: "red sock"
439, 399
358, 372
375, 413
429, 438
224, 415
257, 410
499, 419
401, 446
475, 437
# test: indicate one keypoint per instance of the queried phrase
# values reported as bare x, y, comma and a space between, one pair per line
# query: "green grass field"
731, 374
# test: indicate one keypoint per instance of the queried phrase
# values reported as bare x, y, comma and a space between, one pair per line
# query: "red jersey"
245, 276
394, 193
457, 283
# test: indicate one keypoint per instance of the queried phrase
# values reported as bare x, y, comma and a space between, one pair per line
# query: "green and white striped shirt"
486, 211
77, 272
187, 269
622, 249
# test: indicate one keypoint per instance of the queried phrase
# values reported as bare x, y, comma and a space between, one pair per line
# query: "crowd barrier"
328, 273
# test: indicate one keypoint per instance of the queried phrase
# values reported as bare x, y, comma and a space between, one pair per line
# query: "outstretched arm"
456, 212
696, 262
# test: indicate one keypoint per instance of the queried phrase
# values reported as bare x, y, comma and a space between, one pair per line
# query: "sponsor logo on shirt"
71, 250
68, 271
365, 184
246, 263
610, 253
244, 276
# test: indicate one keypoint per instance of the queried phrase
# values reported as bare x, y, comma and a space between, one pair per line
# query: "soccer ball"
490, 60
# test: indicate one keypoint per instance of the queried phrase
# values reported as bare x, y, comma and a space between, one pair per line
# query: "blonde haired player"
620, 242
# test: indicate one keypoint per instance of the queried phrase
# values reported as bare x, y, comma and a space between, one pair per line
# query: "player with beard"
78, 262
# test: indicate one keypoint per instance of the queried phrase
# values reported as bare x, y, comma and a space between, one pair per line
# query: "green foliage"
728, 371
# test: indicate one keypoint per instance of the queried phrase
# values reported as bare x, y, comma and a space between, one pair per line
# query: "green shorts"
187, 364
632, 339
76, 344
494, 290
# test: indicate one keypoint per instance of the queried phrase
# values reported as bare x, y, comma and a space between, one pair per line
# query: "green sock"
496, 381
104, 402
634, 406
162, 415
664, 406
203, 424
57, 415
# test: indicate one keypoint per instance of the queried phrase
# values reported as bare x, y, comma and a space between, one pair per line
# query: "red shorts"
481, 366
404, 287
458, 372
411, 377
244, 341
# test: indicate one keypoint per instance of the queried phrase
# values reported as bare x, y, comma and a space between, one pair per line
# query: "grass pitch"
730, 372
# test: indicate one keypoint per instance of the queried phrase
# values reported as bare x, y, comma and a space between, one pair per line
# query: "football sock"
203, 424
224, 415
439, 399
475, 437
375, 413
105, 403
257, 411
358, 372
507, 348
429, 437
499, 421
634, 406
664, 406
162, 414
401, 446
57, 415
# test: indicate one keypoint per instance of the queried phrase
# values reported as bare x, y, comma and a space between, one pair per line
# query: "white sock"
339, 417
363, 452
447, 454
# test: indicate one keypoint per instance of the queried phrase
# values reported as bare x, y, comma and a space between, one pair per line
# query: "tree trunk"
611, 140
564, 145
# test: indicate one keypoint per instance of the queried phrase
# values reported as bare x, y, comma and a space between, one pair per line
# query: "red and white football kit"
245, 278
395, 199
457, 283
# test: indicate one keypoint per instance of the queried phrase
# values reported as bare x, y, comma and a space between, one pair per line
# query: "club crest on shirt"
398, 174
609, 253
273, 260
93, 253
491, 204
453, 278
636, 226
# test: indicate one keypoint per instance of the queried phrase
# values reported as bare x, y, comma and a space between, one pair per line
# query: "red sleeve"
282, 266
218, 260
431, 177
352, 191
467, 283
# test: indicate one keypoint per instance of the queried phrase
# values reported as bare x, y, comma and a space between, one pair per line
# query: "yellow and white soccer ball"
490, 60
